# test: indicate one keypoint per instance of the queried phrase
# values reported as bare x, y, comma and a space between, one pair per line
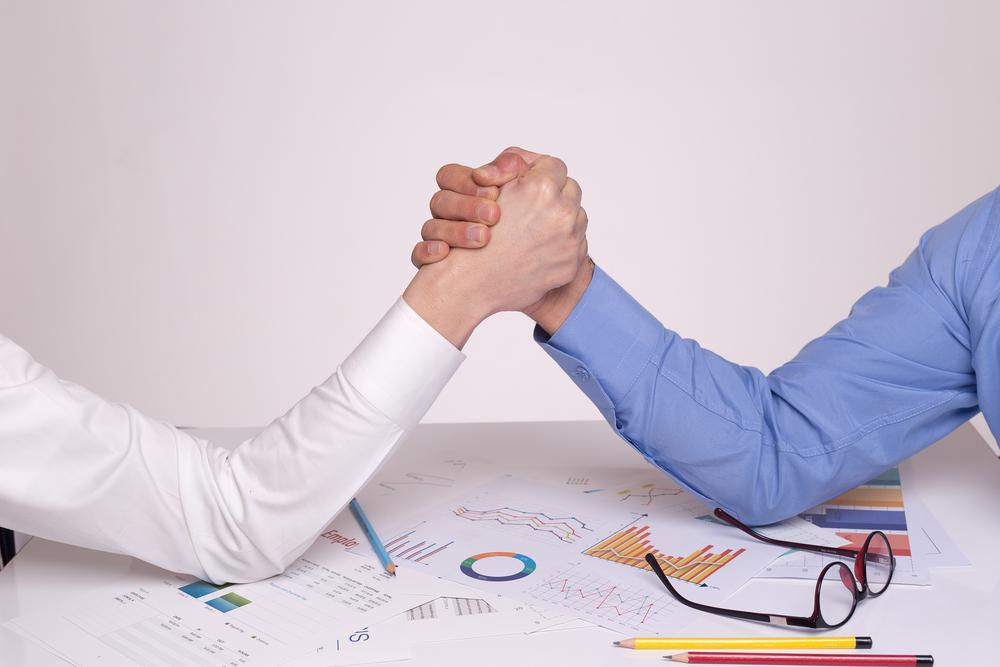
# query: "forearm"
276, 492
852, 403
252, 512
82, 470
747, 443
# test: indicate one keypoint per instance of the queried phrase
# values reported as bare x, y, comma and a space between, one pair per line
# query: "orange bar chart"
630, 546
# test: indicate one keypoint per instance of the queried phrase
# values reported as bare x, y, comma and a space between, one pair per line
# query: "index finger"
458, 178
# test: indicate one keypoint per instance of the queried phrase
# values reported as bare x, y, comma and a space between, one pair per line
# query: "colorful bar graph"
228, 602
630, 546
872, 496
840, 518
414, 550
875, 505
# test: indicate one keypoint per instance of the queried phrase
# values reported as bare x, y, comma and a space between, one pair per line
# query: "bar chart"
228, 602
875, 505
414, 549
630, 545
197, 589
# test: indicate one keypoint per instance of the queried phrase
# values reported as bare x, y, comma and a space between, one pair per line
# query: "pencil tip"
617, 643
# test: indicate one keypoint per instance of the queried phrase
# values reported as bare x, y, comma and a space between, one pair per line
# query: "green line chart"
647, 493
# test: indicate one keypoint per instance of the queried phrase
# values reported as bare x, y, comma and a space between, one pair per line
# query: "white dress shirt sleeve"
79, 469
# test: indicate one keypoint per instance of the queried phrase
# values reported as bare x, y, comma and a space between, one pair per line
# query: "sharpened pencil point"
391, 569
618, 643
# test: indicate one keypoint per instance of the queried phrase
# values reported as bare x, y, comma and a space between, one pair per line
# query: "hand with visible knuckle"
548, 189
536, 247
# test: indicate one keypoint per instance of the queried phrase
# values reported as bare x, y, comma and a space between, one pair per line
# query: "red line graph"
566, 528
642, 609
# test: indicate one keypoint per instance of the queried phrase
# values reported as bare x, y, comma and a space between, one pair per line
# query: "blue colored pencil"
373, 537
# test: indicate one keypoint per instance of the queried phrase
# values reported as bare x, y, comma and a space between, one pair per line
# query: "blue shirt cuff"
604, 343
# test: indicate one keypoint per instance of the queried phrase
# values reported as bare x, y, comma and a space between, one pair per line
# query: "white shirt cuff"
402, 365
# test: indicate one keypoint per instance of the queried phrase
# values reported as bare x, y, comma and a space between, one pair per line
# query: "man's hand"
539, 246
462, 191
465, 207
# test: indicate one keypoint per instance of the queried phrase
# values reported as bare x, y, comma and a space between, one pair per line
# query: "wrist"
446, 302
552, 311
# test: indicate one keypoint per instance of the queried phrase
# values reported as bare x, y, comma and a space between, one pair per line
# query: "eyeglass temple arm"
733, 613
817, 548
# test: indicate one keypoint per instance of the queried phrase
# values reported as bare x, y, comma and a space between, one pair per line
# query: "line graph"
646, 493
630, 545
443, 476
622, 604
566, 528
577, 591
417, 479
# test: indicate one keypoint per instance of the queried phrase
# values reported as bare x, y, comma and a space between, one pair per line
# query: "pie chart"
527, 566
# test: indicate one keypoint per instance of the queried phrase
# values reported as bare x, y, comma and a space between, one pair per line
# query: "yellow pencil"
683, 643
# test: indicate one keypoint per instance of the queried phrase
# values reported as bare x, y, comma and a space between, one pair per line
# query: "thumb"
507, 166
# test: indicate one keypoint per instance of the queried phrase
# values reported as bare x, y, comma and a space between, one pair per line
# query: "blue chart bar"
228, 602
199, 589
850, 519
889, 478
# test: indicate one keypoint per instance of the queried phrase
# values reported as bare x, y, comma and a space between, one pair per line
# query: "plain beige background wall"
205, 206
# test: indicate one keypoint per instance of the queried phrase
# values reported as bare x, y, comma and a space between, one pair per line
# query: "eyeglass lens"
878, 564
837, 593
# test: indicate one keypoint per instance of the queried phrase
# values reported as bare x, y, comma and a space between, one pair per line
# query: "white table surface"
959, 479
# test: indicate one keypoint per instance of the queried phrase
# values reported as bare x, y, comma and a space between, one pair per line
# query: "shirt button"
582, 373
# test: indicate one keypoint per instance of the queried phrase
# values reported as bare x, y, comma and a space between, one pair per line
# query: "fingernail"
476, 234
434, 247
484, 212
488, 171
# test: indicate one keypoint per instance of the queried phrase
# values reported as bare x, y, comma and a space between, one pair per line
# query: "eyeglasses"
838, 589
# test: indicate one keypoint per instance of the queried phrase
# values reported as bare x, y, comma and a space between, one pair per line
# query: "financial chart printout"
160, 618
583, 554
879, 504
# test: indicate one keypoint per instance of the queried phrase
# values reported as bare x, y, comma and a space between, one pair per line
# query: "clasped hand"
510, 235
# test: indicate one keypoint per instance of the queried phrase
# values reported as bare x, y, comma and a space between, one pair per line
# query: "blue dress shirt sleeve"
895, 376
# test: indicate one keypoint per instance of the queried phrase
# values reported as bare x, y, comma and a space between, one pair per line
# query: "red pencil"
842, 659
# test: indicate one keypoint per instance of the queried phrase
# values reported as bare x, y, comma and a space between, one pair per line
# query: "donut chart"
528, 566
